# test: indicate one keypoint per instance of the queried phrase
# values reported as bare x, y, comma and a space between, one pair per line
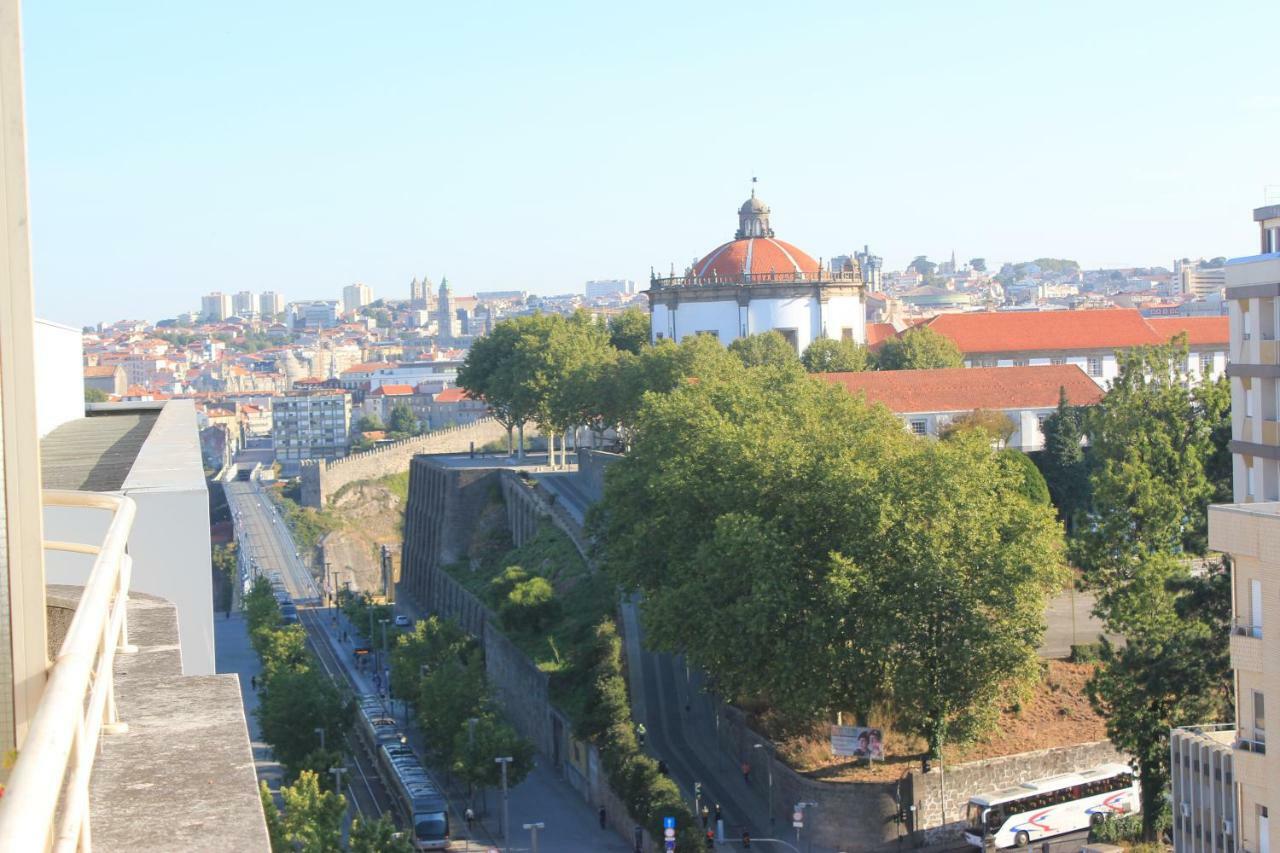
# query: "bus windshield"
975, 817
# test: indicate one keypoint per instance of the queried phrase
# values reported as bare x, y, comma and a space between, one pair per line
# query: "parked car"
402, 621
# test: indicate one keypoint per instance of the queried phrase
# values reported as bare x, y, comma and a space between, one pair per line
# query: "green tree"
629, 331
474, 748
825, 355
281, 650
1150, 441
919, 348
432, 642
275, 823
764, 348
1063, 461
292, 705
1173, 670
370, 423
260, 606
1213, 403
402, 421
378, 836
529, 606
312, 817
95, 395
849, 563
995, 425
449, 694
1034, 487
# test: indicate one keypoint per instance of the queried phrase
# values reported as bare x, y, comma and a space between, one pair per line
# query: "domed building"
757, 283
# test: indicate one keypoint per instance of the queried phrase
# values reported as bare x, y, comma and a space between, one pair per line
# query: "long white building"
758, 283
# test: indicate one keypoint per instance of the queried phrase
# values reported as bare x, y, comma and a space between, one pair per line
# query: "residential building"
1196, 278
104, 528
758, 283
1249, 532
244, 304
110, 379
317, 314
1202, 772
215, 307
610, 287
455, 407
1253, 294
355, 296
270, 304
1088, 339
311, 425
381, 400
928, 400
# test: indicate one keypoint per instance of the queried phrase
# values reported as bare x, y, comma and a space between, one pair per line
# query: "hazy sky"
181, 147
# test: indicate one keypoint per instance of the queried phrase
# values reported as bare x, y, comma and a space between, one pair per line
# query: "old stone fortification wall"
320, 479
529, 504
443, 506
591, 468
977, 777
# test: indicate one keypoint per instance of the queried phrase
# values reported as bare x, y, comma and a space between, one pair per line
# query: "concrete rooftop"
95, 453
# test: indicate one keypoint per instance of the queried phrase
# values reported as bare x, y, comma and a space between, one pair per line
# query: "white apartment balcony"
1251, 762
1246, 647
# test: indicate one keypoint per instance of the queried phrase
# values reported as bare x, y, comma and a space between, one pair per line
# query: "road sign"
798, 824
797, 815
671, 844
668, 833
668, 823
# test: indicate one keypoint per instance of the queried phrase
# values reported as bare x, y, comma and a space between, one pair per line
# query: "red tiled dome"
755, 255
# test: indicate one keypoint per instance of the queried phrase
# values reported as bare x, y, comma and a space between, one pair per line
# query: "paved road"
231, 641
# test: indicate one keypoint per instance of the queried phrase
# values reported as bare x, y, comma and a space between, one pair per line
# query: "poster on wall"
857, 742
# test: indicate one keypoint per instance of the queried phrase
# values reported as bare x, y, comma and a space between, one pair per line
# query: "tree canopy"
918, 349
825, 355
629, 331
806, 549
763, 348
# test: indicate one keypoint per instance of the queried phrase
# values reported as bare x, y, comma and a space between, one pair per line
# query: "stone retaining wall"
321, 479
591, 467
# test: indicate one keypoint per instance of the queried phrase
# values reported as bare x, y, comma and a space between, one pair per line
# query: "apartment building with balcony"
1253, 295
1249, 532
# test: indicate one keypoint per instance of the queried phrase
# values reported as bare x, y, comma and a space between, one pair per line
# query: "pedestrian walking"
711, 840
471, 818
717, 813
603, 818
253, 681
640, 732
706, 816
662, 767
746, 840
746, 772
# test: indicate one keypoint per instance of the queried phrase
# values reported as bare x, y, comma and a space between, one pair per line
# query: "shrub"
1085, 652
500, 587
1116, 829
530, 605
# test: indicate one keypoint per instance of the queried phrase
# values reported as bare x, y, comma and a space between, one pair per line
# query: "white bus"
1014, 817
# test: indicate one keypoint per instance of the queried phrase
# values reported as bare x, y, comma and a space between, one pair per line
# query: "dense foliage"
807, 550
918, 349
830, 356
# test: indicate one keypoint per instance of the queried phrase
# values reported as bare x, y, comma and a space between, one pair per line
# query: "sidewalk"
235, 655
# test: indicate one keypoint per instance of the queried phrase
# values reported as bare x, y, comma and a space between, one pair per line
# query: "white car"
402, 621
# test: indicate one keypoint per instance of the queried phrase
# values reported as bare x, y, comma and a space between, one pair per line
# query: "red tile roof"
1045, 331
878, 333
963, 389
392, 391
368, 367
104, 370
755, 255
452, 395
1201, 331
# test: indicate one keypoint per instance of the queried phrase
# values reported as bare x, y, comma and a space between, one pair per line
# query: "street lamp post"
533, 831
800, 809
337, 777
385, 655
504, 761
768, 765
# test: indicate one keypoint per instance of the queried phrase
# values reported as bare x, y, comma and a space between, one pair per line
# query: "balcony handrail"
56, 758
1245, 628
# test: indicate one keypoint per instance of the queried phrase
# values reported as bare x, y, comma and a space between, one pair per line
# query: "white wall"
169, 542
59, 375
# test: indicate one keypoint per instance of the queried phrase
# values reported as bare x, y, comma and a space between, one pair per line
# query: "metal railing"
1241, 628
690, 279
46, 803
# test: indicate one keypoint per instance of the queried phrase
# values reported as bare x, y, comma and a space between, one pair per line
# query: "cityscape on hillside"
774, 550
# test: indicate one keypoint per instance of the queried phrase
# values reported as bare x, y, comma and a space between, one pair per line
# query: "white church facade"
758, 283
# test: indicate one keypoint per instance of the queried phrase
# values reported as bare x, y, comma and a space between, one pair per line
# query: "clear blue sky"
180, 147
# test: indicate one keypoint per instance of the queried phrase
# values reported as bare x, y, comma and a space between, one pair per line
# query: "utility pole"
533, 830
504, 761
385, 657
337, 776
